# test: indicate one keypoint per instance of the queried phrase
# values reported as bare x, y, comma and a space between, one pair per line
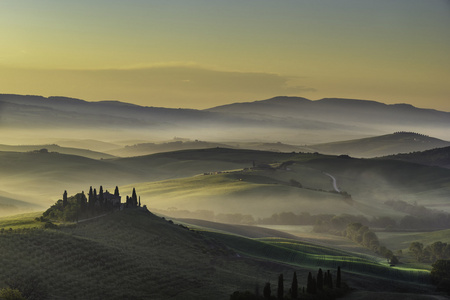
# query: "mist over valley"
265, 187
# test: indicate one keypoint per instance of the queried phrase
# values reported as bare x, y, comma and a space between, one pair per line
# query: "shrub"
11, 294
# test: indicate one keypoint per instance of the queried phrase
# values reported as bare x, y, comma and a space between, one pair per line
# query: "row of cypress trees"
315, 285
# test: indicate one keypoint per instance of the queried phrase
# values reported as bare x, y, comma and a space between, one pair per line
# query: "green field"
297, 252
255, 193
21, 221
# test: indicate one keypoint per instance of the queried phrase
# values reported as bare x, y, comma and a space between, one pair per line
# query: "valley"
223, 213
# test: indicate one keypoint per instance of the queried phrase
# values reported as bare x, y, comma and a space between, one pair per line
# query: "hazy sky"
198, 54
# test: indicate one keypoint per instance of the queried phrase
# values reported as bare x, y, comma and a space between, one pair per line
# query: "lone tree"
280, 293
294, 287
65, 199
267, 292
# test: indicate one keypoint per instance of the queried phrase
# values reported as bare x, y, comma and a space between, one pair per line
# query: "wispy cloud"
184, 84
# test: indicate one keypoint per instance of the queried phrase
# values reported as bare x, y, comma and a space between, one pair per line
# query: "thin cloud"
170, 84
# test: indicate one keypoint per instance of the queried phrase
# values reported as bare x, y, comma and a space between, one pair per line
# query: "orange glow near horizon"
200, 55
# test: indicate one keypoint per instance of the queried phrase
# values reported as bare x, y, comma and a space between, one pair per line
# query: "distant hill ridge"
434, 157
367, 110
292, 120
398, 142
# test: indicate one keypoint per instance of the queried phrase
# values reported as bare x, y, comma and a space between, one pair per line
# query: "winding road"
334, 182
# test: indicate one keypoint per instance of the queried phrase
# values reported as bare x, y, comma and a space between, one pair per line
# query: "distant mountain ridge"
352, 109
291, 120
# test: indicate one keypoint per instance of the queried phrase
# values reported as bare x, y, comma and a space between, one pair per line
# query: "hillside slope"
400, 142
38, 176
126, 255
439, 157
56, 148
133, 254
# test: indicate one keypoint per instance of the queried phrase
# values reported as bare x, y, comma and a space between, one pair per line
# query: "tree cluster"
440, 275
67, 209
419, 217
79, 206
430, 253
364, 236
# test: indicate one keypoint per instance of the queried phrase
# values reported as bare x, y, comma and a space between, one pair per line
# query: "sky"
204, 53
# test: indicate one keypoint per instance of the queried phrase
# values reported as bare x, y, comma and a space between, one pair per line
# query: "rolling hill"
10, 204
56, 148
262, 180
142, 149
435, 157
133, 254
261, 192
40, 176
400, 142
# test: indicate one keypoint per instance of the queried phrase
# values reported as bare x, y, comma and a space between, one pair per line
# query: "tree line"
364, 236
430, 253
320, 286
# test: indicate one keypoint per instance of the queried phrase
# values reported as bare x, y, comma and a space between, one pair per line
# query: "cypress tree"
267, 292
313, 286
134, 197
65, 199
309, 284
280, 293
91, 197
320, 280
116, 191
329, 279
338, 277
294, 287
100, 196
